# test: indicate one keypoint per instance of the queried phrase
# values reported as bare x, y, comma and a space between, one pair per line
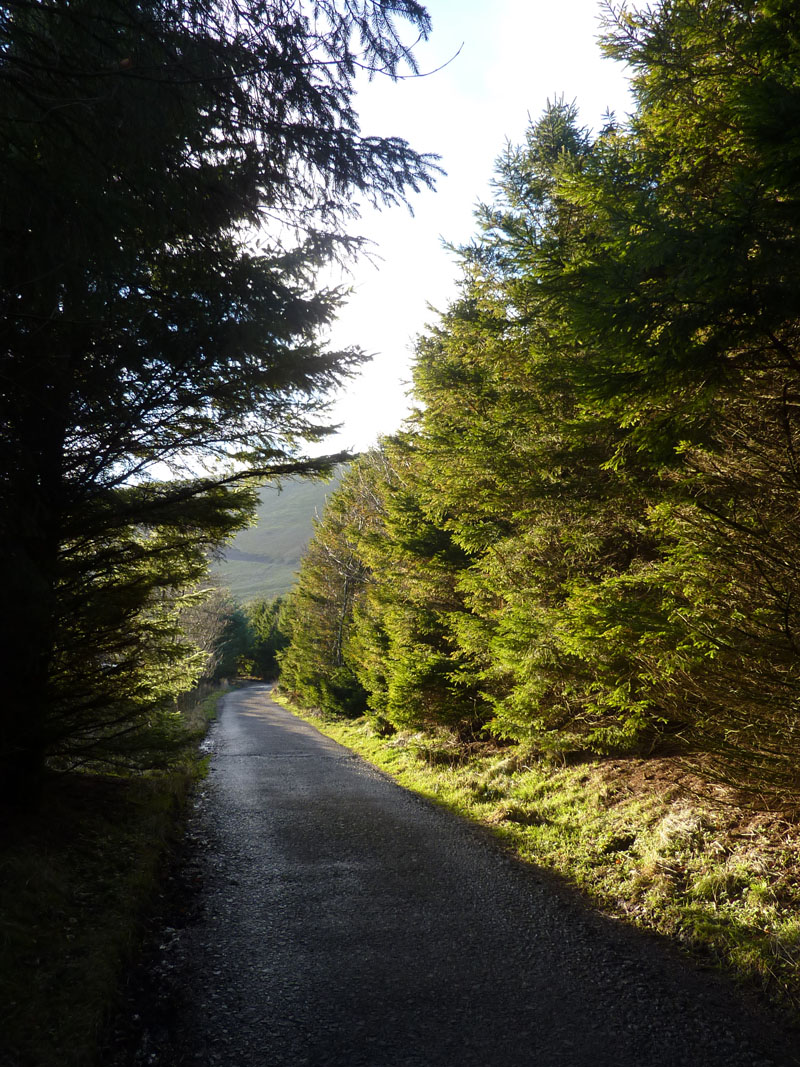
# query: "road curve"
340, 921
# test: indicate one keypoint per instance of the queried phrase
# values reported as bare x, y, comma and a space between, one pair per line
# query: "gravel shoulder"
324, 916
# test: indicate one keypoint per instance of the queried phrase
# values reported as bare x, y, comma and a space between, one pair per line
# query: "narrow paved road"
343, 922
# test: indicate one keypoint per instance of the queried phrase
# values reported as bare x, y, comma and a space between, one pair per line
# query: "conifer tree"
267, 638
316, 667
688, 303
406, 645
519, 464
592, 517
373, 620
145, 326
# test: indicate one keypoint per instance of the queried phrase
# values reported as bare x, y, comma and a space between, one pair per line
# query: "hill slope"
262, 560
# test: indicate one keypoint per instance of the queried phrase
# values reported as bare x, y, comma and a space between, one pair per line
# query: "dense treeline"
586, 537
175, 175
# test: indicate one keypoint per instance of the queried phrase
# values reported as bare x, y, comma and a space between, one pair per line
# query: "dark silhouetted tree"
174, 176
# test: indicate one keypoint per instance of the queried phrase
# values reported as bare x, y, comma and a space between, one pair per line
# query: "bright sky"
516, 54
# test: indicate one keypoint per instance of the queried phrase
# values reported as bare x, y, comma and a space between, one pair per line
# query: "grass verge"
76, 879
646, 839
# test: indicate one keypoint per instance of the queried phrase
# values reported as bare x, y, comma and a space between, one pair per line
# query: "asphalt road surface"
335, 920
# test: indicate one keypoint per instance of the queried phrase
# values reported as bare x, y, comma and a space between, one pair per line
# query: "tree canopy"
175, 176
607, 424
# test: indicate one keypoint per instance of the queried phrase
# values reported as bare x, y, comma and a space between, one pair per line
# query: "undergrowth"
644, 838
76, 878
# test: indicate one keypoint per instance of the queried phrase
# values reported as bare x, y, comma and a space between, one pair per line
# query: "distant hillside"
262, 560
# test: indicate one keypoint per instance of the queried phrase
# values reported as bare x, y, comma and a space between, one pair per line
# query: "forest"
177, 177
580, 551
584, 541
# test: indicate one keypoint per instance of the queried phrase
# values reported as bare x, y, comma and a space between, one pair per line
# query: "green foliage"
373, 616
220, 630
145, 330
589, 526
518, 466
267, 639
413, 607
317, 619
687, 300
129, 633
